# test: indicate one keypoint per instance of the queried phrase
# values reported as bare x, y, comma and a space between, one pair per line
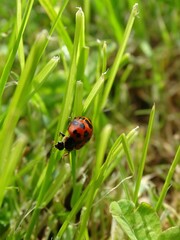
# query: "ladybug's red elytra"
80, 131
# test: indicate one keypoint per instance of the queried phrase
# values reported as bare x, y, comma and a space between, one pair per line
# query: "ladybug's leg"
66, 154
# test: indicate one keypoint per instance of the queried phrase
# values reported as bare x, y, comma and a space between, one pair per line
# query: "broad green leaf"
120, 214
140, 223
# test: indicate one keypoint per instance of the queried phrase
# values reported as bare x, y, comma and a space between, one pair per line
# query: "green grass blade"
117, 150
47, 5
144, 154
101, 148
70, 89
8, 172
94, 92
167, 183
21, 46
12, 55
57, 183
119, 55
127, 152
118, 31
40, 78
78, 99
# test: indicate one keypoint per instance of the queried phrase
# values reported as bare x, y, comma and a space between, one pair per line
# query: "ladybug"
80, 131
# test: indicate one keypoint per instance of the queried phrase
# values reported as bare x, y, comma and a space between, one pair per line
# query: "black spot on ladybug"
75, 132
86, 134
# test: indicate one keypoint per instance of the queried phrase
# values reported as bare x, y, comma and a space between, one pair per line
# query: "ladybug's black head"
68, 144
60, 145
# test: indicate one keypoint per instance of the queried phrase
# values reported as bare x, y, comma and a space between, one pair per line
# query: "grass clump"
50, 76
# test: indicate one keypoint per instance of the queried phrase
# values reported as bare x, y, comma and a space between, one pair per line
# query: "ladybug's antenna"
62, 134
